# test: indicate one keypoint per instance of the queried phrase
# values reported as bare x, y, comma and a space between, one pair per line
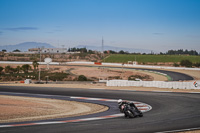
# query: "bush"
1, 69
196, 64
186, 63
134, 77
58, 76
82, 78
176, 65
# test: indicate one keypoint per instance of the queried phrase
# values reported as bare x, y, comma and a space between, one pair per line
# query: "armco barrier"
159, 84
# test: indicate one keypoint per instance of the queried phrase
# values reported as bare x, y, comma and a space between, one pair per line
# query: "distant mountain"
130, 50
25, 46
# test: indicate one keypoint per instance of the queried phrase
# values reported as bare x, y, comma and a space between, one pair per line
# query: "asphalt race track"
171, 111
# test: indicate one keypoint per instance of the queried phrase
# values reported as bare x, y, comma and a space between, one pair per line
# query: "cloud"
1, 32
158, 33
21, 28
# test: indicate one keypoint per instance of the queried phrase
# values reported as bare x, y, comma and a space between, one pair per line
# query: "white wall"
159, 84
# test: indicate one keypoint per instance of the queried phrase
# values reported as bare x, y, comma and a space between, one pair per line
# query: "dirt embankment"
16, 109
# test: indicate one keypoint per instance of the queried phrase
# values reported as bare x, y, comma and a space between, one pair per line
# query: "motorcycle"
131, 111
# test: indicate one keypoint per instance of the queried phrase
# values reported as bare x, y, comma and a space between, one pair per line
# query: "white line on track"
51, 122
181, 130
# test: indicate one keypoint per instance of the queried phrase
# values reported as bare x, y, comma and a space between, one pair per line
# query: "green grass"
120, 58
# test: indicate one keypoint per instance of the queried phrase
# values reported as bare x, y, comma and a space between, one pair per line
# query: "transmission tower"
102, 47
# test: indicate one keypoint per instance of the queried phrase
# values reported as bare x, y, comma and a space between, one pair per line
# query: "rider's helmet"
119, 101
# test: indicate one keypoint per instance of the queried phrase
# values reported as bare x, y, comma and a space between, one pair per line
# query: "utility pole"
39, 65
102, 48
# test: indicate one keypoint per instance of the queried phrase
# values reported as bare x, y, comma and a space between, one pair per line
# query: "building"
54, 50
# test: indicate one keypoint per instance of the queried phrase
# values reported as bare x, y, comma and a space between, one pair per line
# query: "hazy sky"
158, 25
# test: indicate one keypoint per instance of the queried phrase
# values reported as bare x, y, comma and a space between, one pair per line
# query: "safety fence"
158, 84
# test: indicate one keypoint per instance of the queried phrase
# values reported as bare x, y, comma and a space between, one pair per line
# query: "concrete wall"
158, 84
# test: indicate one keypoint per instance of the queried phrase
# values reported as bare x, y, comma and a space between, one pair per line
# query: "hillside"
25, 46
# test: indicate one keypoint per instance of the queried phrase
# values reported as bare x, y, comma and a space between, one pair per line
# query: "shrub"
1, 69
26, 67
134, 77
197, 64
8, 69
176, 65
186, 63
82, 78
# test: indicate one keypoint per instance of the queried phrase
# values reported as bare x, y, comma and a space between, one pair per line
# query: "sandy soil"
196, 131
16, 109
155, 77
106, 73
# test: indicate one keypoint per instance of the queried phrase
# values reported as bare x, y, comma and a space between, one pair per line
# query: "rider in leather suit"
122, 104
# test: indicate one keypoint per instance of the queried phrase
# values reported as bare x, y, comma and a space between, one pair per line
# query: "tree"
105, 52
112, 52
26, 67
18, 68
35, 64
1, 69
4, 50
121, 52
16, 50
82, 78
186, 63
8, 69
83, 50
90, 52
181, 52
